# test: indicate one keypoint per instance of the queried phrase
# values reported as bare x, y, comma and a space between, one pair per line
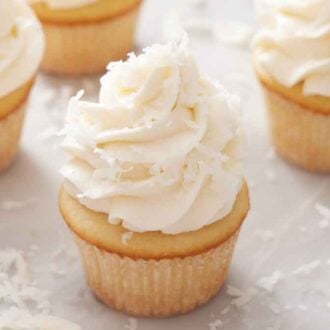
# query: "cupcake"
292, 61
82, 36
21, 49
154, 193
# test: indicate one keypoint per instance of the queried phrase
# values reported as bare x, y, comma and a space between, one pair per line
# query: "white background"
282, 231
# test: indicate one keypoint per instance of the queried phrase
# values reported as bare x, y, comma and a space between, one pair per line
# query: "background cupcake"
154, 193
21, 50
82, 36
292, 58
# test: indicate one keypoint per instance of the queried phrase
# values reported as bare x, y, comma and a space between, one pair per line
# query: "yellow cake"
153, 274
83, 39
299, 124
292, 61
21, 48
154, 193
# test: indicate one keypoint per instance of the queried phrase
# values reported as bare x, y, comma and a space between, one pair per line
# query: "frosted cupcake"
82, 36
154, 193
292, 60
21, 49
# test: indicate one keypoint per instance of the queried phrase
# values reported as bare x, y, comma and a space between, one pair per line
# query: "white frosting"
293, 44
162, 148
64, 4
21, 45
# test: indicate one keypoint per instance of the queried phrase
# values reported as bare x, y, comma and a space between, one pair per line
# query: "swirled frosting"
161, 150
293, 45
64, 4
21, 45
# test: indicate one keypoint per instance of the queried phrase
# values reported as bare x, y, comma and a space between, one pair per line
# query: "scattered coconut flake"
275, 308
328, 304
306, 269
241, 298
328, 262
21, 319
252, 184
323, 210
268, 282
323, 224
288, 307
264, 234
16, 287
270, 175
270, 154
225, 310
132, 324
233, 291
125, 237
12, 205
215, 325
302, 229
302, 307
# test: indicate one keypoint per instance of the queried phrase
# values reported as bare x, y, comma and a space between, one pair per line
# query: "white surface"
283, 231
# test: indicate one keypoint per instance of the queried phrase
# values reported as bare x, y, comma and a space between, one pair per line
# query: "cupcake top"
293, 45
21, 45
64, 4
161, 149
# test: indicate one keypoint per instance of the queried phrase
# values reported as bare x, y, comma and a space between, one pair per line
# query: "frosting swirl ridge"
161, 150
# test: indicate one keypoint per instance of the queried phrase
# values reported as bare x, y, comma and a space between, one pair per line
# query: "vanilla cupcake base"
299, 135
87, 48
10, 132
156, 288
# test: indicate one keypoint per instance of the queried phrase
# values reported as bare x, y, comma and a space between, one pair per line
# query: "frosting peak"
161, 149
293, 45
21, 45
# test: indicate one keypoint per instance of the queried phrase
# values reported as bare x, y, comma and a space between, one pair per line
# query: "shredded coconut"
132, 324
303, 228
323, 224
125, 237
12, 205
270, 175
323, 210
225, 310
268, 283
306, 269
270, 154
241, 298
265, 235
215, 325
302, 307
19, 319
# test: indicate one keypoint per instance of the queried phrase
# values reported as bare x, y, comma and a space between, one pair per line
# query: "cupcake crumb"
125, 237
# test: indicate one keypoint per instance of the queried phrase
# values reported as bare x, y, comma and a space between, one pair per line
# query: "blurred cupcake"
292, 60
21, 50
154, 193
82, 36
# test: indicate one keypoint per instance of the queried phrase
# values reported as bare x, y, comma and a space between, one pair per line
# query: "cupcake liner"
10, 132
299, 135
156, 288
88, 47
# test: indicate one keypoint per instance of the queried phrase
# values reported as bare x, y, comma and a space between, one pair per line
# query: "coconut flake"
125, 237
306, 269
268, 282
132, 324
241, 298
12, 205
20, 319
265, 235
323, 224
215, 325
270, 175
